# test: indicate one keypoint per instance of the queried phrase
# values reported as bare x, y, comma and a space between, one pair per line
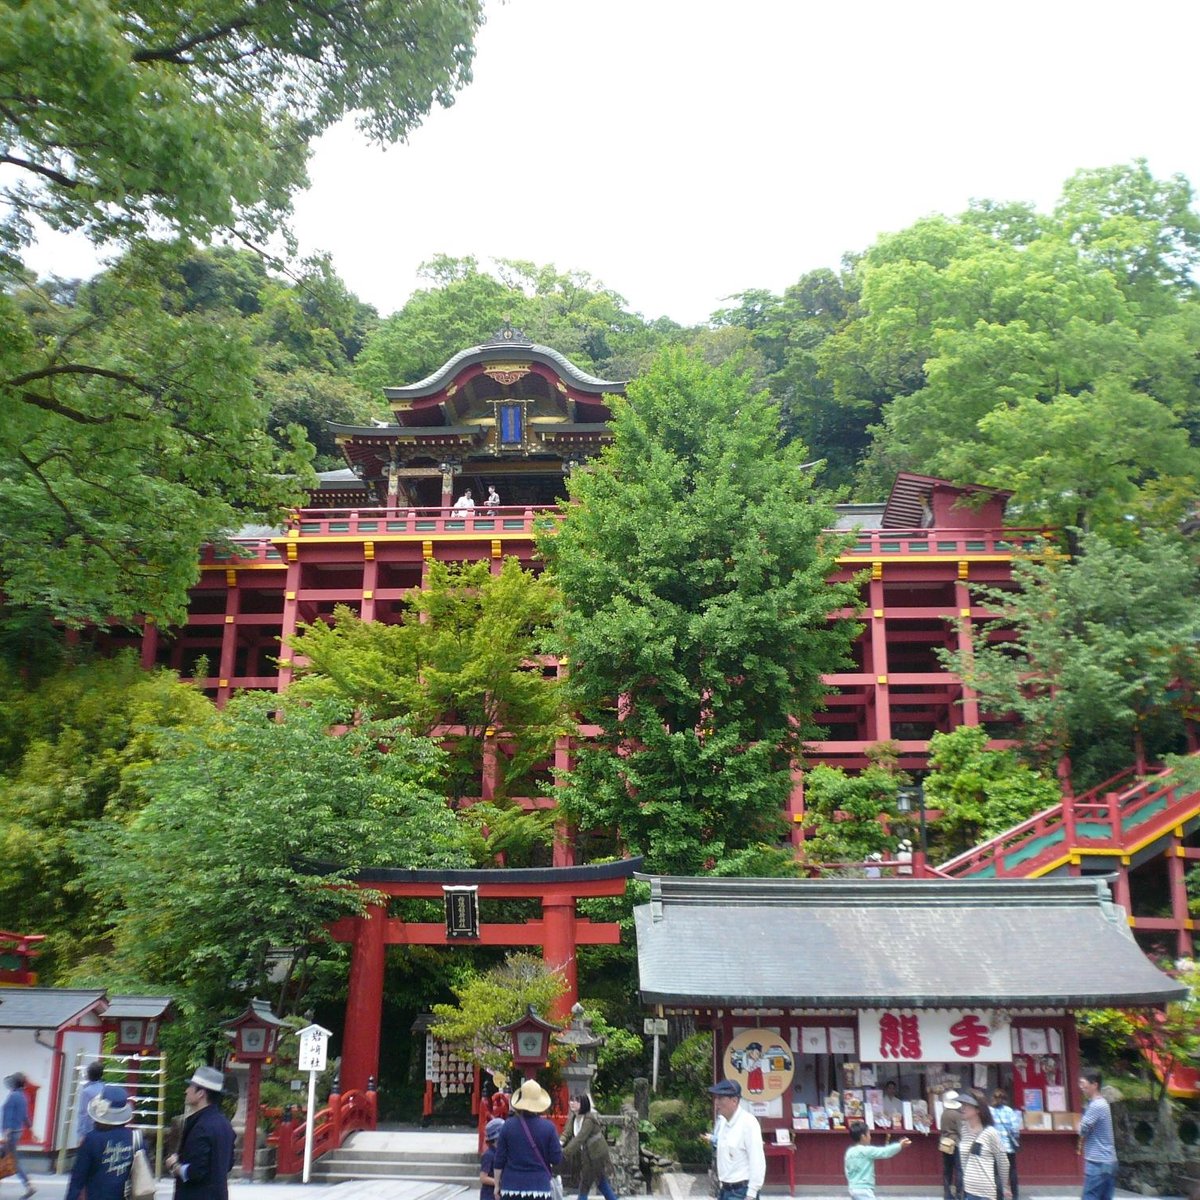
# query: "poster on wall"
760, 1061
943, 1035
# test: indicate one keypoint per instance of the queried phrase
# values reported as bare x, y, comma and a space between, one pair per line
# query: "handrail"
346, 1113
1100, 806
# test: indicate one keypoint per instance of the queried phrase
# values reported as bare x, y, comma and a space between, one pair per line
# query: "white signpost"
314, 1042
655, 1027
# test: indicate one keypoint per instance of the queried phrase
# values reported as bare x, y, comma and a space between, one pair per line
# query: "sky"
682, 151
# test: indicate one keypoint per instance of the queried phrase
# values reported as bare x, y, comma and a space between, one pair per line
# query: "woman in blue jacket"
105, 1156
528, 1146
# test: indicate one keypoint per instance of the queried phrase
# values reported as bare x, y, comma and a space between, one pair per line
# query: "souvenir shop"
839, 1000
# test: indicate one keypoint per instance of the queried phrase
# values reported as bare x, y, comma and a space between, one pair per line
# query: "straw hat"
531, 1097
111, 1106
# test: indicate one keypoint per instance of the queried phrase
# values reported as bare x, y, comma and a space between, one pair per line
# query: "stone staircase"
449, 1158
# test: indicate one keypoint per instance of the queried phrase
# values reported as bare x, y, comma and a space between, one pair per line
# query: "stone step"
327, 1171
352, 1153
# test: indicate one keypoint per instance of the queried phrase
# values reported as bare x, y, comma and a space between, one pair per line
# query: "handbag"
8, 1164
140, 1184
947, 1143
556, 1191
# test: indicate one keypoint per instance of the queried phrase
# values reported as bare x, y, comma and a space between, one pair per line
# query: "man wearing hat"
949, 1130
205, 1158
737, 1138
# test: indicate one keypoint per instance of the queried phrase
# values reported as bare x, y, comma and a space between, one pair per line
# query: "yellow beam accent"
230, 577
877, 612
222, 683
427, 548
245, 566
496, 547
964, 612
289, 595
964, 568
369, 551
368, 595
881, 679
877, 569
291, 552
228, 618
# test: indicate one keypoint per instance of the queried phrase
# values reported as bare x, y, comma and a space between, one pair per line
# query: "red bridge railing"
345, 1113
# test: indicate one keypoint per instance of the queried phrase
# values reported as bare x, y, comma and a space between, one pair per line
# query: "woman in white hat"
949, 1127
105, 1156
528, 1147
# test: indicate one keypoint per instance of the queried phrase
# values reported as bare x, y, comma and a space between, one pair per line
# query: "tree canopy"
135, 430
694, 578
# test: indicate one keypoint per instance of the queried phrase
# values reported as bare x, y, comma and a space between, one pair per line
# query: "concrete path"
53, 1187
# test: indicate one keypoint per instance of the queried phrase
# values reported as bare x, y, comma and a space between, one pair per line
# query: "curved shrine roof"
503, 345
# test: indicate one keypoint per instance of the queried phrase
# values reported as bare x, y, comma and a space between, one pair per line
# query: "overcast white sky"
684, 150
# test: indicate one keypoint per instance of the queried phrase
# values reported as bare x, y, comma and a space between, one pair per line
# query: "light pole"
906, 798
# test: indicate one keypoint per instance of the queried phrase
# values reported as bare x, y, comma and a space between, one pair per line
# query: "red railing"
344, 1114
1102, 818
518, 519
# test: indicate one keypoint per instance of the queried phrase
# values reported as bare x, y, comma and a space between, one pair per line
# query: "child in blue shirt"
860, 1160
487, 1164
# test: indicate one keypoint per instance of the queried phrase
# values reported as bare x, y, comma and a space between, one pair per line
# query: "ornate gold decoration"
507, 374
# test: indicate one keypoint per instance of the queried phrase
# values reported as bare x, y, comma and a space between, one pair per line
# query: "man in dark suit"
205, 1158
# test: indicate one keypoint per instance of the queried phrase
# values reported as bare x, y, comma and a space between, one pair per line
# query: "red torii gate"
558, 932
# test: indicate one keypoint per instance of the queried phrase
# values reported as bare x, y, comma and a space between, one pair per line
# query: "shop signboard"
940, 1035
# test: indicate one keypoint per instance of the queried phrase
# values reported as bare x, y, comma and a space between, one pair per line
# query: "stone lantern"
583, 1046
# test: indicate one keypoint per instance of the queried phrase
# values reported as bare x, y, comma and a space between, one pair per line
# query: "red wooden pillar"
1121, 887
564, 847
880, 720
364, 1003
149, 643
1176, 874
795, 807
370, 582
962, 598
1071, 1049
291, 610
228, 660
558, 947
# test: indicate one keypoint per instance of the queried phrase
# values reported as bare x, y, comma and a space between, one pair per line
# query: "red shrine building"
474, 463
517, 417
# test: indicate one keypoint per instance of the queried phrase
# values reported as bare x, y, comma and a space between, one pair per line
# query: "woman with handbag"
527, 1148
984, 1162
949, 1129
105, 1157
585, 1148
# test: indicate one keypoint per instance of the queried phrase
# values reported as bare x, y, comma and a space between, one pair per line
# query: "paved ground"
53, 1187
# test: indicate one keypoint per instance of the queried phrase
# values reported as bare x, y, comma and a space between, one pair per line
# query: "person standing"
14, 1121
90, 1090
493, 500
105, 1158
741, 1160
527, 1147
949, 1131
1008, 1126
205, 1158
861, 1158
984, 1163
1096, 1143
487, 1181
585, 1148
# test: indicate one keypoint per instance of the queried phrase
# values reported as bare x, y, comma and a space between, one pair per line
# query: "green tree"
1090, 648
694, 575
1044, 354
132, 433
71, 749
114, 475
980, 792
490, 999
126, 115
466, 653
842, 812
214, 872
